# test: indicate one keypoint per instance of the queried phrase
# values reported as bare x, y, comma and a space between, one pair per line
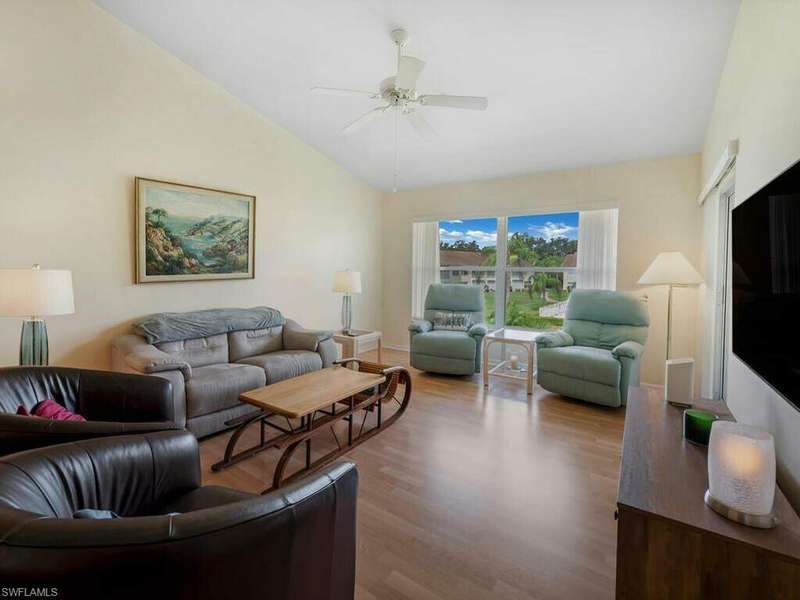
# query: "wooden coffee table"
318, 400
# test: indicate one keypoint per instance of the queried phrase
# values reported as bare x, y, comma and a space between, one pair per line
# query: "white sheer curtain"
597, 249
424, 264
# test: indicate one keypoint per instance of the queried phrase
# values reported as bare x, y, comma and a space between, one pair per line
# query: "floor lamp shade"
347, 283
671, 269
32, 294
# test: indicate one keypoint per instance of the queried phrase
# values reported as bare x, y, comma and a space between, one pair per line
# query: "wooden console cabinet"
670, 545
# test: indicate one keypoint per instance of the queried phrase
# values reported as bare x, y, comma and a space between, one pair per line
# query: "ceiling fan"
398, 95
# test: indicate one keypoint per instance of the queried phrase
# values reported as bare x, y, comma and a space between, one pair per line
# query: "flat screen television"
765, 283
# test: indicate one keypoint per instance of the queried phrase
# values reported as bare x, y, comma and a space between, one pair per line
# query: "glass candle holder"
741, 473
697, 425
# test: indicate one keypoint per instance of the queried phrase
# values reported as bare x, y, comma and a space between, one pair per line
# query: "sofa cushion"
216, 387
449, 344
597, 365
251, 342
199, 352
285, 363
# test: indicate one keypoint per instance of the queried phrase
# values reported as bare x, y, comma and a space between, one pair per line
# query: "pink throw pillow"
50, 409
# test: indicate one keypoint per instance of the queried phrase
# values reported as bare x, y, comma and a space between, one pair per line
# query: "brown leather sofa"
295, 543
112, 403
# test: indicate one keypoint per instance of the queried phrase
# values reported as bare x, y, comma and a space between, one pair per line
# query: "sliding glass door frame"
501, 286
721, 340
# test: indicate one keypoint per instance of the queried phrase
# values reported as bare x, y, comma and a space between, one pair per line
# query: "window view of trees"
534, 298
525, 250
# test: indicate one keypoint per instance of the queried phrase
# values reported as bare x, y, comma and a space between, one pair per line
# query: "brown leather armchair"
112, 403
295, 543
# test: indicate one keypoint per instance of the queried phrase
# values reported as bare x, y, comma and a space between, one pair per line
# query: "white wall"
658, 211
86, 104
757, 102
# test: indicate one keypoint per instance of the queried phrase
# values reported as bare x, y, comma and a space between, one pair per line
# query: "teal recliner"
596, 356
451, 352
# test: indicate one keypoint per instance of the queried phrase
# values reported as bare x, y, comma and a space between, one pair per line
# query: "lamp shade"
347, 282
670, 268
741, 467
35, 293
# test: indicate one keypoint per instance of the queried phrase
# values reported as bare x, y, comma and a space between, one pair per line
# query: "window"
468, 255
535, 256
541, 261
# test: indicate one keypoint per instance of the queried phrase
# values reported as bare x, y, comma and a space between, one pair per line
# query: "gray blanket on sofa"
171, 327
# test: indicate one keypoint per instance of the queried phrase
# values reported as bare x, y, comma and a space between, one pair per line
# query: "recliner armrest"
477, 330
629, 349
146, 358
296, 337
554, 339
420, 326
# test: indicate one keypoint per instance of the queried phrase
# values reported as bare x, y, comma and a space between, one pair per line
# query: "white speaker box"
679, 381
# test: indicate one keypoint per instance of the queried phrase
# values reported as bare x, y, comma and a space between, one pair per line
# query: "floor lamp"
673, 270
32, 294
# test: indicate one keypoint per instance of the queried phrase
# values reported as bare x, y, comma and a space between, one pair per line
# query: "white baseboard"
393, 347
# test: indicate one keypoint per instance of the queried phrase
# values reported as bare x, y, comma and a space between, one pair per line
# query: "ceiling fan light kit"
399, 93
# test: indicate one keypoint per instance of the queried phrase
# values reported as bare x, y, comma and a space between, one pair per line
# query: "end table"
358, 341
517, 337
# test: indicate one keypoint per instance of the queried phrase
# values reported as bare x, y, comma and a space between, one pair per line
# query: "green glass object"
33, 343
697, 425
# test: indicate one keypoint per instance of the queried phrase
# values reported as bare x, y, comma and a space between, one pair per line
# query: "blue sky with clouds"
484, 231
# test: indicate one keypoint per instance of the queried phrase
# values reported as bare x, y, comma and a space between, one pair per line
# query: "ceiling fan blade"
327, 91
365, 119
468, 102
408, 71
421, 125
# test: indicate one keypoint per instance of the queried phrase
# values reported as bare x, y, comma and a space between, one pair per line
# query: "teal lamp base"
33, 343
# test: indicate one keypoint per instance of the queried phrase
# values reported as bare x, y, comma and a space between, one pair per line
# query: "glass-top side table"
506, 368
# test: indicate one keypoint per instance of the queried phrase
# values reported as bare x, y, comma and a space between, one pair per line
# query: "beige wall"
86, 104
658, 211
757, 102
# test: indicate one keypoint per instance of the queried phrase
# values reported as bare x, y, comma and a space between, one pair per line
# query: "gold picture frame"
192, 233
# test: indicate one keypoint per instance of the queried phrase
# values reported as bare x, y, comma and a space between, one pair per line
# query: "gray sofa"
212, 356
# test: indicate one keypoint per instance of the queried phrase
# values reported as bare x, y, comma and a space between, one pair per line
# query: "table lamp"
673, 270
741, 474
32, 294
347, 283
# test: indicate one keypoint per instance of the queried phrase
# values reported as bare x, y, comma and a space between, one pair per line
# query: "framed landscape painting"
188, 233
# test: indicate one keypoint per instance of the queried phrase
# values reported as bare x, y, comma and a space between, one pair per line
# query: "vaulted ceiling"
570, 82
